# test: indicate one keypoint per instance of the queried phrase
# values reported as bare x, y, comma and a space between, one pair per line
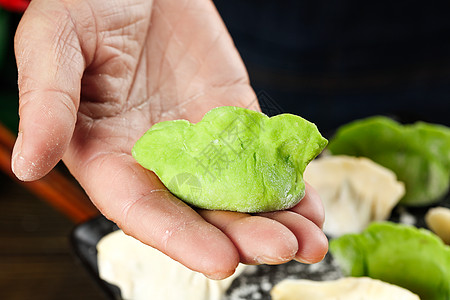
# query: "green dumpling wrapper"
234, 159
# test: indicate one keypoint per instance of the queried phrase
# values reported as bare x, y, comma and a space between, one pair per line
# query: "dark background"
336, 61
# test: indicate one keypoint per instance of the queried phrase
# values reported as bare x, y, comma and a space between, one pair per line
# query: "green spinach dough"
234, 159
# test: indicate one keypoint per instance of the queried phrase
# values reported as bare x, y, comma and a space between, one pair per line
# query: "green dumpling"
412, 258
418, 153
233, 159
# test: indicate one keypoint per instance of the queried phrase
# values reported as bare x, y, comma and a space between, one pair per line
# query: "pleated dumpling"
438, 220
349, 288
144, 273
355, 191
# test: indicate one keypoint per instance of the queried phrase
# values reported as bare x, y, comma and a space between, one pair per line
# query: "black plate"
84, 240
256, 282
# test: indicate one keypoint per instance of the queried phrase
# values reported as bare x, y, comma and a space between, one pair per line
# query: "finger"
139, 203
259, 240
50, 65
312, 242
311, 206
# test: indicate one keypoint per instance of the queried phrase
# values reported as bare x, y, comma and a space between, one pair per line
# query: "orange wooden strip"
54, 188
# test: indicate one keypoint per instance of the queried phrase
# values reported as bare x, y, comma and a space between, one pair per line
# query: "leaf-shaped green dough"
233, 159
419, 154
412, 258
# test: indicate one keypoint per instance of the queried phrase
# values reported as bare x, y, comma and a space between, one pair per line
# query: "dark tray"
256, 281
84, 239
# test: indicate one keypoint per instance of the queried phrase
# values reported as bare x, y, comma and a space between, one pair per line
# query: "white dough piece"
144, 273
438, 220
355, 192
350, 288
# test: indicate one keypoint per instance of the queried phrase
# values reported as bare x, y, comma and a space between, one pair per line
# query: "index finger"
50, 65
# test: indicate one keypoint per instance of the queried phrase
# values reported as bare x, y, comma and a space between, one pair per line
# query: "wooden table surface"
36, 260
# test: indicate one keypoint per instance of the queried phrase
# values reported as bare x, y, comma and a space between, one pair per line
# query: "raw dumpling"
438, 220
144, 273
355, 191
362, 288
234, 159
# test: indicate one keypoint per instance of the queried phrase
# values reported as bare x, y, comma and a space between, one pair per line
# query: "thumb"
50, 65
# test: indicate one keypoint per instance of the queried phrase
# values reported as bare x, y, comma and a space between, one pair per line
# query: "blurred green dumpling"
233, 159
412, 258
418, 153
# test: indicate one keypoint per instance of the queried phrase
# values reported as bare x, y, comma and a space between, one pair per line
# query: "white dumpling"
350, 288
355, 191
142, 272
438, 220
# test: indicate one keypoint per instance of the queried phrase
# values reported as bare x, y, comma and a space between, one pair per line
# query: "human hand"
95, 75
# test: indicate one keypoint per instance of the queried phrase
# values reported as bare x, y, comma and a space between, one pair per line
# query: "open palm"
95, 75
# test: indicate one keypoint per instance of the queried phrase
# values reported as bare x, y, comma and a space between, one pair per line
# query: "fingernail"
310, 260
16, 153
262, 260
217, 276
17, 160
273, 260
304, 261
